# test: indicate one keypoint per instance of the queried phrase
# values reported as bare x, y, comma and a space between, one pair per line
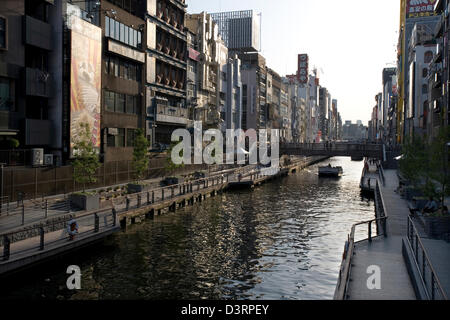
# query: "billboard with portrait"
85, 79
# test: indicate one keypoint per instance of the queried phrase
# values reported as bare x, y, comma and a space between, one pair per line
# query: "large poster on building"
419, 8
85, 79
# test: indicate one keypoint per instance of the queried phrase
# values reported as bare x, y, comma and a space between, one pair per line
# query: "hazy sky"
350, 40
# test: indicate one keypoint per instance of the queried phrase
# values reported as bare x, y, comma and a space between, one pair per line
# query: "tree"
86, 161
413, 162
140, 154
438, 163
170, 165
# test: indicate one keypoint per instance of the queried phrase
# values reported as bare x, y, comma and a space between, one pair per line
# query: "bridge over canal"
338, 149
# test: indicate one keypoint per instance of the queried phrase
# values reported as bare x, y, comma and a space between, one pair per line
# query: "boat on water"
330, 171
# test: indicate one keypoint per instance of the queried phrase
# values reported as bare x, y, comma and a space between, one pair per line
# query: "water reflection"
283, 240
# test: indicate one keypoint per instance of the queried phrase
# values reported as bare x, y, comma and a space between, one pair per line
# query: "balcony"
37, 33
171, 114
37, 83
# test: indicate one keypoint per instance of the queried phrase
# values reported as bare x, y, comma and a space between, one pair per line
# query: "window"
428, 56
131, 104
117, 31
424, 72
424, 89
109, 100
120, 103
131, 136
122, 32
5, 95
120, 138
3, 34
111, 27
107, 31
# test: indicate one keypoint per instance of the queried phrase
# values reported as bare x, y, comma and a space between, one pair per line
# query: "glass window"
122, 32
424, 72
125, 70
134, 38
131, 104
428, 56
2, 33
139, 40
131, 136
111, 141
120, 102
106, 26
117, 32
111, 28
120, 138
127, 34
109, 100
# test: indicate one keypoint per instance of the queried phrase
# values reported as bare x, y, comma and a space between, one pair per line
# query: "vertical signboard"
303, 68
85, 79
419, 8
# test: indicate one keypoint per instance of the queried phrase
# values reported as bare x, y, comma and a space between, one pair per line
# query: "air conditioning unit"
48, 159
37, 157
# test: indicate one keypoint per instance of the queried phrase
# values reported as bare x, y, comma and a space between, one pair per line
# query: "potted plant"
85, 166
140, 161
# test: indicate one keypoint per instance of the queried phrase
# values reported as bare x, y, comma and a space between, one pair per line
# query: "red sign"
419, 8
193, 54
303, 68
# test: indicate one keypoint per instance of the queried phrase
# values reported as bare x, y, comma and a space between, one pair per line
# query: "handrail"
415, 244
381, 173
345, 270
56, 226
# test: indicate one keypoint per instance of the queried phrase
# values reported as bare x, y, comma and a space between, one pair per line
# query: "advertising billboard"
419, 8
303, 68
85, 79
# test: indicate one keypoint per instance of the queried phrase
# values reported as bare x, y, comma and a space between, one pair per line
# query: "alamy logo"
236, 153
374, 280
74, 280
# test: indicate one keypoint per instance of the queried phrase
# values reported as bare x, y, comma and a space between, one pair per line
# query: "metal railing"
158, 195
381, 173
345, 270
91, 222
427, 273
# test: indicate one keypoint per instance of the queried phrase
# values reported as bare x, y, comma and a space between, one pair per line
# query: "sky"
349, 41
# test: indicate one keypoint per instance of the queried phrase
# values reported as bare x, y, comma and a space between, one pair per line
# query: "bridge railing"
37, 238
427, 272
339, 147
341, 291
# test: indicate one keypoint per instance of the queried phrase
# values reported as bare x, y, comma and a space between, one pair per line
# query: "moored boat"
330, 171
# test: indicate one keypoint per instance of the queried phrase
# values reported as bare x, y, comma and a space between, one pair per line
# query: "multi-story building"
219, 90
254, 91
324, 110
31, 112
123, 76
422, 49
388, 96
166, 46
438, 94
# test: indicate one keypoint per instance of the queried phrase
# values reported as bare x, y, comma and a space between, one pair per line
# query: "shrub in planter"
437, 225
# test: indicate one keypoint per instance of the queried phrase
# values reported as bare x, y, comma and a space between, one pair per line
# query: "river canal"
283, 240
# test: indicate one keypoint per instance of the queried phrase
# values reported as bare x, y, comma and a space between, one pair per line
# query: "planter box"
85, 202
437, 227
137, 188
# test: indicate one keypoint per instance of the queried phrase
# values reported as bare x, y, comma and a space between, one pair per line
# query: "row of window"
120, 140
122, 33
122, 68
122, 103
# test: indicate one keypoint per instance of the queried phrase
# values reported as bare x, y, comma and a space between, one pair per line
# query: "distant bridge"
341, 149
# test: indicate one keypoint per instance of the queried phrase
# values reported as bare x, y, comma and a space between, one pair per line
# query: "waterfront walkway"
385, 253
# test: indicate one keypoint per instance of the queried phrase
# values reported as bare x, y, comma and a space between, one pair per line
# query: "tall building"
239, 29
123, 77
388, 82
166, 44
324, 111
219, 90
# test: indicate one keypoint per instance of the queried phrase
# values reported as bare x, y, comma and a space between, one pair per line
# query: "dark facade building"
166, 48
30, 114
324, 108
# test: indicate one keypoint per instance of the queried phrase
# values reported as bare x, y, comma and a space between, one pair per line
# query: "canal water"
283, 240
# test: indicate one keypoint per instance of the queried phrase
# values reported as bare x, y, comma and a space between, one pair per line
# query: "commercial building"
166, 70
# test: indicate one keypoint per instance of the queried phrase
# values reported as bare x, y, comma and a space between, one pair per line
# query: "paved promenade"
384, 252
